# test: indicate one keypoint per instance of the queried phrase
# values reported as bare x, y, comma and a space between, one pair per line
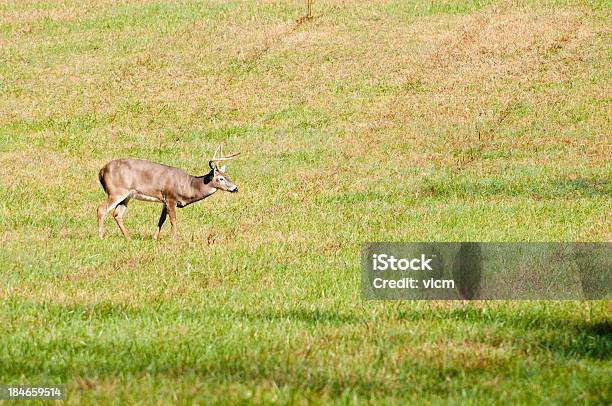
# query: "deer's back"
149, 178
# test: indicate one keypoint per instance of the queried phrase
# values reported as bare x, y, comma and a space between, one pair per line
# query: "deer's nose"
234, 190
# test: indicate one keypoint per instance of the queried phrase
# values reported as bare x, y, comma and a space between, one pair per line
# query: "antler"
214, 161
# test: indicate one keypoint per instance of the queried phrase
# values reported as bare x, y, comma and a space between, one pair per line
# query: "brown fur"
125, 179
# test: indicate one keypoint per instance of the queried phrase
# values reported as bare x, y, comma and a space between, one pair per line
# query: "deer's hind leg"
107, 206
118, 216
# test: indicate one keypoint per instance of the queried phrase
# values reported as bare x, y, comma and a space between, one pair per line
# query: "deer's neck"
201, 186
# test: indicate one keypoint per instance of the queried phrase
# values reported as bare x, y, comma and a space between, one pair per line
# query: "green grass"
374, 121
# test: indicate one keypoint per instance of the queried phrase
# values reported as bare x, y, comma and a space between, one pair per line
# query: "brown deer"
124, 179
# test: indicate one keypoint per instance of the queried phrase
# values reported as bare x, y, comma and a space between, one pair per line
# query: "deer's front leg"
171, 206
160, 223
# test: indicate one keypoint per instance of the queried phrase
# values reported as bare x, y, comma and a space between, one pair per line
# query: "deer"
125, 179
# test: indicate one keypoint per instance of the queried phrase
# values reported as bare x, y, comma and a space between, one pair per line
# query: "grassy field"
373, 121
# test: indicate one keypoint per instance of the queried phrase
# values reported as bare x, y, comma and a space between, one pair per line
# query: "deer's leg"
109, 204
118, 215
171, 205
160, 223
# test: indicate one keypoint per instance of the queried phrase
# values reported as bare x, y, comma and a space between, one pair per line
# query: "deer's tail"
102, 178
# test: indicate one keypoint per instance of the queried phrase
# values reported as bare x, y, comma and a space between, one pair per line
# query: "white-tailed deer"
125, 179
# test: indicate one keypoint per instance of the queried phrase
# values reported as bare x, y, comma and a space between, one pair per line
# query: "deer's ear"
222, 169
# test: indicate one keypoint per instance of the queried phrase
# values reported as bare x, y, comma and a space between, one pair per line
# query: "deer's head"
220, 180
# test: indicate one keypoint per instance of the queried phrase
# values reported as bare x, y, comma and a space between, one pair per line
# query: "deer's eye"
221, 179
